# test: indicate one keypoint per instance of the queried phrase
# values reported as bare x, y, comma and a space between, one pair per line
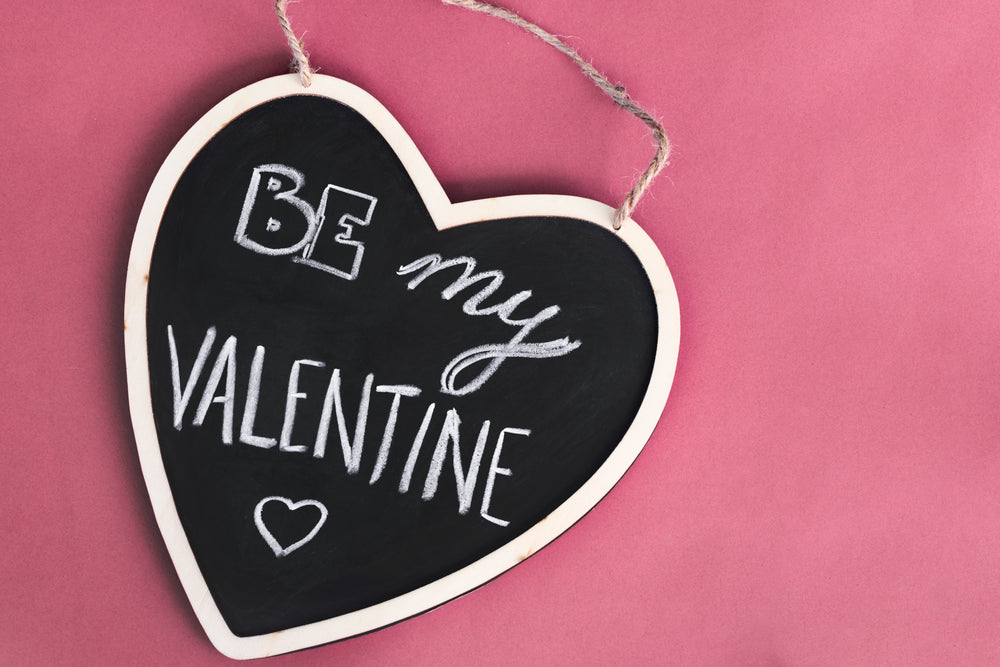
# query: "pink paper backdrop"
824, 485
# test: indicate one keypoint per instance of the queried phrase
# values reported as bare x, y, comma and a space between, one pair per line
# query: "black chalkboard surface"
357, 400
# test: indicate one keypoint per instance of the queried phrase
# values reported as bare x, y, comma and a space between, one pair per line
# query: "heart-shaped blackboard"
354, 400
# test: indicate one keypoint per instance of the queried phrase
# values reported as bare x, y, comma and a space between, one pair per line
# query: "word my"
496, 353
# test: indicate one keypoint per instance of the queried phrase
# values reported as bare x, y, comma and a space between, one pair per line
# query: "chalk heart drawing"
307, 310
258, 519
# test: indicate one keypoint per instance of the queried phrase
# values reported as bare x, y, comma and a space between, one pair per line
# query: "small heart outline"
272, 542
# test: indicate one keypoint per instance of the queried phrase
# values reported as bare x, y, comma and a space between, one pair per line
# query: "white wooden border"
445, 214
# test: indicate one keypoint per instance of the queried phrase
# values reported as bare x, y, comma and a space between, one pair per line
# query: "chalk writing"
357, 209
397, 391
305, 222
253, 396
494, 354
495, 469
352, 441
181, 399
465, 481
284, 223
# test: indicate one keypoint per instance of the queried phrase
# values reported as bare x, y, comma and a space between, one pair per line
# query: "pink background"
824, 485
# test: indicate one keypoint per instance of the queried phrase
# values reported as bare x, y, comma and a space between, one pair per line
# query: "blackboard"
356, 399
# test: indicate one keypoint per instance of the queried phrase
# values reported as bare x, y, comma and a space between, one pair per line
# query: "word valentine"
220, 389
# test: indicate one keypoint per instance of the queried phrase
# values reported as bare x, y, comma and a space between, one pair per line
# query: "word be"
281, 223
332, 415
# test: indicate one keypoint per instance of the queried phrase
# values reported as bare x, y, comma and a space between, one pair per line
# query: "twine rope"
300, 59
617, 93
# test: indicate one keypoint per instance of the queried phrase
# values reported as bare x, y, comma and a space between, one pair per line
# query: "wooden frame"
445, 215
